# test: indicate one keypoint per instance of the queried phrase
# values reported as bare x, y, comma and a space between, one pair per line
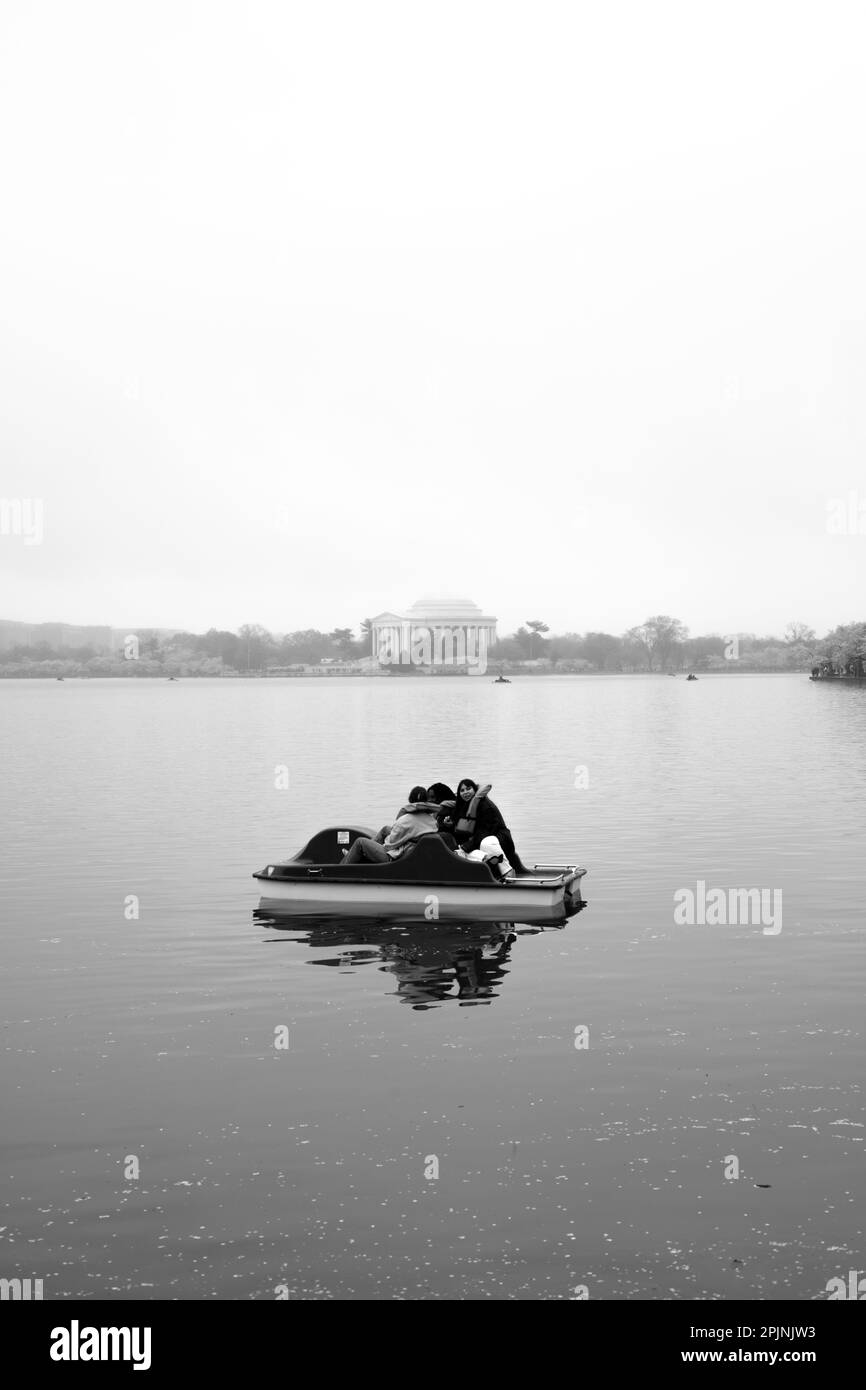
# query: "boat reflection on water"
433, 963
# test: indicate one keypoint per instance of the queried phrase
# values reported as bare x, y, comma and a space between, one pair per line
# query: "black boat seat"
426, 860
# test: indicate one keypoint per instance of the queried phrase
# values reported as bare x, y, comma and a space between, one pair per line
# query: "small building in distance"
434, 632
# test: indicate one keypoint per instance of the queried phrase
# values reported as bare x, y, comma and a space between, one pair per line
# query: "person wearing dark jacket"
445, 799
476, 817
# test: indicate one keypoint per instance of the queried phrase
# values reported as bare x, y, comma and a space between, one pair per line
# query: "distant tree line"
663, 643
252, 648
659, 644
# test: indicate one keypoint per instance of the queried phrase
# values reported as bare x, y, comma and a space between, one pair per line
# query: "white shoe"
499, 864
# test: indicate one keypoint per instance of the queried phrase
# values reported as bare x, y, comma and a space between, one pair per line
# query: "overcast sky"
310, 309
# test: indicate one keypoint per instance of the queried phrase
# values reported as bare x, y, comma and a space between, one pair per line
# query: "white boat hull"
528, 900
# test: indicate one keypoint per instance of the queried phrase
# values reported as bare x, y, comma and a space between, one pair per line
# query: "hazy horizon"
547, 306
502, 632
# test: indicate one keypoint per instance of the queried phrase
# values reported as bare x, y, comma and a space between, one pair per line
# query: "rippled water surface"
303, 1170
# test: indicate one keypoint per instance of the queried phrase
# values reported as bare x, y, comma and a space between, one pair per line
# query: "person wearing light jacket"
416, 819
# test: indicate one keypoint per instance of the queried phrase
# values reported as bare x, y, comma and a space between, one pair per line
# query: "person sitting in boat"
440, 802
450, 814
415, 800
442, 795
477, 819
417, 818
444, 799
489, 850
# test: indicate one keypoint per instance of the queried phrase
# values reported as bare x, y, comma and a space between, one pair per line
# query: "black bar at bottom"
163, 1339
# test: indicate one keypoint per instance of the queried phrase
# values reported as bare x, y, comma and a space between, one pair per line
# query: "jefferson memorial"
434, 631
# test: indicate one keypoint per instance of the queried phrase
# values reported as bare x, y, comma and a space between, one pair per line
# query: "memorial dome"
444, 609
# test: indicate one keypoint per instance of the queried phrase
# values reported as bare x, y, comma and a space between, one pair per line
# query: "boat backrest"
329, 846
425, 860
429, 860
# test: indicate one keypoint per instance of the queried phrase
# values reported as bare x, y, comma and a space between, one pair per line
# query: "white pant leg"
490, 845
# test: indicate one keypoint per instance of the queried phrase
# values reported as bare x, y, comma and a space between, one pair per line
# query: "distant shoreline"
490, 675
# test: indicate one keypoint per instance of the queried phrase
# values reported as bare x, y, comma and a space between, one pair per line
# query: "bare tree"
799, 633
660, 636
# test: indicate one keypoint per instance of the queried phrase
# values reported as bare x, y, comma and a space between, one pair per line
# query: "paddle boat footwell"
428, 882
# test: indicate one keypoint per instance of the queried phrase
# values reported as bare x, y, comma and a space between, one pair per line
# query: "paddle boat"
427, 882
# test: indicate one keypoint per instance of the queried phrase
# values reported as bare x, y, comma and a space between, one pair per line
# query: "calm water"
304, 1168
